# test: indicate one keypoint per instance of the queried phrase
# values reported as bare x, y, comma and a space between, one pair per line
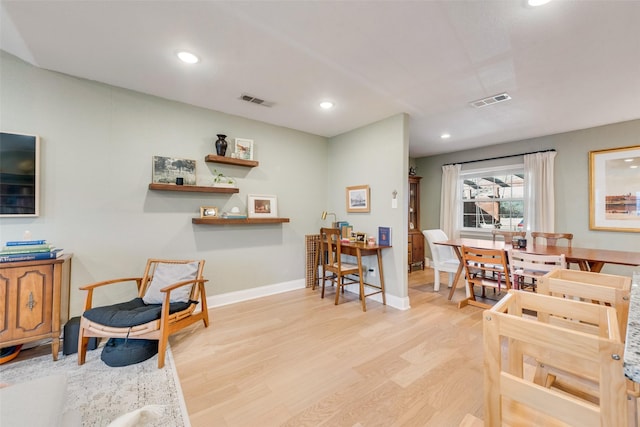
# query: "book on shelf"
25, 242
11, 250
234, 216
56, 253
384, 236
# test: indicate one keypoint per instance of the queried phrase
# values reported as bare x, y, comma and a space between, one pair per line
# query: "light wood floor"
295, 359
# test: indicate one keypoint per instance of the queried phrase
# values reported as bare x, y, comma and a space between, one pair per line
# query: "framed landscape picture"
167, 169
614, 189
358, 199
262, 206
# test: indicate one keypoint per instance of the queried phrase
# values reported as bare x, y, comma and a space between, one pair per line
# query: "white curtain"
539, 194
450, 201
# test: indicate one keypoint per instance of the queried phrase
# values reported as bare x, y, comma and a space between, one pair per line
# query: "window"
493, 198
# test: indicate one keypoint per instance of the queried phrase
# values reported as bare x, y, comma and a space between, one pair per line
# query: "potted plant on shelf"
219, 180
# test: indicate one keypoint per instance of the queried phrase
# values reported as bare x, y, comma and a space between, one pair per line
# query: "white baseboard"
263, 291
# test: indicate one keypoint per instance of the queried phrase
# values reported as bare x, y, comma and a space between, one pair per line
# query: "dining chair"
524, 265
486, 268
443, 257
551, 239
342, 272
507, 235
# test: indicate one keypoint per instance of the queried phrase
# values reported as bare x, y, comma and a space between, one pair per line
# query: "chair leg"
83, 342
436, 279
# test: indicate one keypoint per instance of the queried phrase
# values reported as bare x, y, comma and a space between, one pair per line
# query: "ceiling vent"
258, 101
490, 100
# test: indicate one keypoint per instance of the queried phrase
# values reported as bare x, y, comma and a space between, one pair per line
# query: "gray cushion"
122, 352
130, 313
35, 403
167, 274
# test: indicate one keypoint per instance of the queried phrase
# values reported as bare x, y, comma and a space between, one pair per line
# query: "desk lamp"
335, 220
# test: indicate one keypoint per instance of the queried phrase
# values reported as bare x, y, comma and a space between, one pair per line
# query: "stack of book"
230, 215
29, 250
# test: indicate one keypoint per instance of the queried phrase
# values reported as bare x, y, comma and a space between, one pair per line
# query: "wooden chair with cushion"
340, 270
508, 235
523, 265
168, 293
484, 268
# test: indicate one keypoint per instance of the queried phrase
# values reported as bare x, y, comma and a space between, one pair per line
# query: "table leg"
361, 274
456, 250
384, 297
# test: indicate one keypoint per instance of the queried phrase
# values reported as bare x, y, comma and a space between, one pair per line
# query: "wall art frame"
614, 189
165, 170
208, 211
358, 198
262, 206
243, 149
19, 175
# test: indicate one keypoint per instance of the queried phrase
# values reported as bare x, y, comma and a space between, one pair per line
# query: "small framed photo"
167, 169
262, 206
361, 237
244, 149
358, 199
208, 211
614, 193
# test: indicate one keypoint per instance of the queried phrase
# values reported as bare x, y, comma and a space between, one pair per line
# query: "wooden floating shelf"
227, 221
192, 188
230, 161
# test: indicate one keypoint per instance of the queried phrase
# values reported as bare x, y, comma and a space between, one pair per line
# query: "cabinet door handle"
31, 302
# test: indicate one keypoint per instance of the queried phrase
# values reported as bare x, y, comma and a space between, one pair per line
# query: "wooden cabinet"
34, 301
416, 238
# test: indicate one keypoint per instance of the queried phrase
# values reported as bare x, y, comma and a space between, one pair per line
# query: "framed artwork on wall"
614, 189
244, 149
358, 199
262, 206
19, 175
167, 169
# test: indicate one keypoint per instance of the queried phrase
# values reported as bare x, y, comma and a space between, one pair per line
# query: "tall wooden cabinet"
416, 238
34, 301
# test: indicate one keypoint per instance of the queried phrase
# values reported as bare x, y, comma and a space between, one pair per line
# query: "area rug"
102, 393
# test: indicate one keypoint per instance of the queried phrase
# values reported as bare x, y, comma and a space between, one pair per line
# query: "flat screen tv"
19, 174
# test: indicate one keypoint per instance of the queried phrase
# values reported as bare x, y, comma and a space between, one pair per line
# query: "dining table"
588, 259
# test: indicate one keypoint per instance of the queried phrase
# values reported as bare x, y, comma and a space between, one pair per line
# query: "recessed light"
188, 57
326, 105
445, 136
634, 167
534, 3
628, 160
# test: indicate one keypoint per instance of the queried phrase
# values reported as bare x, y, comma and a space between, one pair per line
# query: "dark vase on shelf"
221, 145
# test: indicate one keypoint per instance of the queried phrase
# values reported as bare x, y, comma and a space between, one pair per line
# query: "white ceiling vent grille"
490, 100
254, 100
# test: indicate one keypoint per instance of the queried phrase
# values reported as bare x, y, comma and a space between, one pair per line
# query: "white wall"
572, 181
376, 155
97, 143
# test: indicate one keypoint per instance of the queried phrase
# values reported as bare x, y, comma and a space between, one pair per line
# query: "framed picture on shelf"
244, 149
614, 189
262, 206
167, 169
208, 211
358, 199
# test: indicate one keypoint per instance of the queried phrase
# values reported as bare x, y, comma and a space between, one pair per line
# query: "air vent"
258, 101
490, 100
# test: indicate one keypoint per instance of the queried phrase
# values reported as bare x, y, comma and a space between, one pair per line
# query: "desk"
359, 249
587, 259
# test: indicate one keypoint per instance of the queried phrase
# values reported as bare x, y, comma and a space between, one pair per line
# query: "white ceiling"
567, 65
